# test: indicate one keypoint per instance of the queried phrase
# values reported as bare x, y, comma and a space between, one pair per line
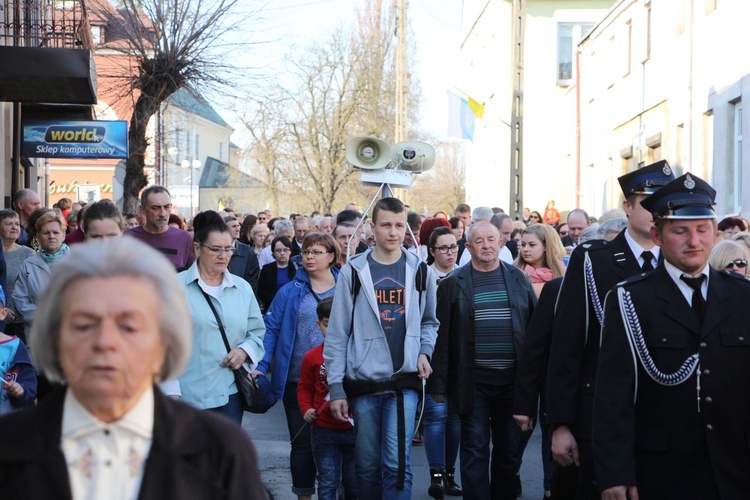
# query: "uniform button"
709, 399
588, 385
703, 345
106, 432
663, 340
108, 463
741, 339
706, 372
709, 427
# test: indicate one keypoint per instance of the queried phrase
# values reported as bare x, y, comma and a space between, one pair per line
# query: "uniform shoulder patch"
735, 275
633, 279
592, 245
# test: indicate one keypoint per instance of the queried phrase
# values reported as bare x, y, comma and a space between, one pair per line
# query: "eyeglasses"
281, 250
563, 233
533, 216
447, 249
741, 263
219, 250
316, 253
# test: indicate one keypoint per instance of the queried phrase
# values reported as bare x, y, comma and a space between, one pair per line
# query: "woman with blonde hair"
730, 256
540, 253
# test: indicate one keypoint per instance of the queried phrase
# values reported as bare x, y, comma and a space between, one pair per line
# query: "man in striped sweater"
483, 309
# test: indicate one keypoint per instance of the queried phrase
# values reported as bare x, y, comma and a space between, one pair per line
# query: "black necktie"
698, 302
647, 257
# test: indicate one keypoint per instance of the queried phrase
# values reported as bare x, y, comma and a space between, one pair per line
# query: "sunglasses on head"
741, 263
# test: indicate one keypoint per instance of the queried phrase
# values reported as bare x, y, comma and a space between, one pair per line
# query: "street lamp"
190, 164
195, 164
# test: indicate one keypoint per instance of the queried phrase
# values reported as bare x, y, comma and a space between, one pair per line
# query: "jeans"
492, 418
333, 450
376, 450
442, 434
301, 460
233, 409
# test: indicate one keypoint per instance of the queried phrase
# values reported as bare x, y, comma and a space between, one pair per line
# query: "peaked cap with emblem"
646, 180
687, 197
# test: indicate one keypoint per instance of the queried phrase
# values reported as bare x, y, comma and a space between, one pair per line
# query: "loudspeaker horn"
414, 156
368, 153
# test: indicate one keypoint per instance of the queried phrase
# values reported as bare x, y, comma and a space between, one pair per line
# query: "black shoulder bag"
247, 386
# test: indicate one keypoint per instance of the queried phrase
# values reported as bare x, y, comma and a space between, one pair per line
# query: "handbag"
256, 395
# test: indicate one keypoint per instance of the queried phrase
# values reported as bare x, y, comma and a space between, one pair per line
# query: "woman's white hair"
124, 256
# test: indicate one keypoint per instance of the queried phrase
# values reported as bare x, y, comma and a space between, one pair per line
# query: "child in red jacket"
332, 440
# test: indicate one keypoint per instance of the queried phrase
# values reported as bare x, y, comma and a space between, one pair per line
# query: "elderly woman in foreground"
111, 324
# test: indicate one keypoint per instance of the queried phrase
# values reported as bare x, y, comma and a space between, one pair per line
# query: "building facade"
658, 81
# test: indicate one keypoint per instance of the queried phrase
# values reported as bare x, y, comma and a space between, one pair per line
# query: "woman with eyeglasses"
535, 218
292, 331
442, 427
208, 382
425, 230
540, 255
729, 256
276, 274
562, 230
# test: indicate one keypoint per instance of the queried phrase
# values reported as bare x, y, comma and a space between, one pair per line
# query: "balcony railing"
45, 23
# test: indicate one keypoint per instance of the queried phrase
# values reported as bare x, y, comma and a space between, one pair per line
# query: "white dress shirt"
106, 460
638, 250
687, 292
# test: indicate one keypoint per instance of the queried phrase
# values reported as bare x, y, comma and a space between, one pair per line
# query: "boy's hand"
14, 389
423, 367
310, 415
340, 410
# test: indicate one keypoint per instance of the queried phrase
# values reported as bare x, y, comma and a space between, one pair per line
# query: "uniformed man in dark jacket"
594, 268
672, 399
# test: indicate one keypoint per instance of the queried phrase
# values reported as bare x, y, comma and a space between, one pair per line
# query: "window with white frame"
734, 173
568, 37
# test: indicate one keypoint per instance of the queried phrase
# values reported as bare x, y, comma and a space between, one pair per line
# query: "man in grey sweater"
381, 335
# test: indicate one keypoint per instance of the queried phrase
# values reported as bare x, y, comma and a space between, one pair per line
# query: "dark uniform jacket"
194, 454
661, 443
244, 264
532, 367
575, 341
453, 359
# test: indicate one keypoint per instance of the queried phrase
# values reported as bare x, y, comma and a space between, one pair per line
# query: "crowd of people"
621, 336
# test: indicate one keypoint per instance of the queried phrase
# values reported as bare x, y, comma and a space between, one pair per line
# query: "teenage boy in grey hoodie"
381, 334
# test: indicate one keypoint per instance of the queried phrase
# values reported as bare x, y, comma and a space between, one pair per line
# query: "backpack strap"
356, 286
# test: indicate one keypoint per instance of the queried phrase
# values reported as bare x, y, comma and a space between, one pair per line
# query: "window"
648, 34
734, 172
568, 37
97, 34
628, 45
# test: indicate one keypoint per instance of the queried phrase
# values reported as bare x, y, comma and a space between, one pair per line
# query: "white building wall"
549, 126
677, 100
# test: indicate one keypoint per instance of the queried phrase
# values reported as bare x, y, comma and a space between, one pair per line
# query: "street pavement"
271, 438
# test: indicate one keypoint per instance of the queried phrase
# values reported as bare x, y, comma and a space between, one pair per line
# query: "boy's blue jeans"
376, 425
333, 450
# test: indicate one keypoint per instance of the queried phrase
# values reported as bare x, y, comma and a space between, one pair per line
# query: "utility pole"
402, 82
516, 120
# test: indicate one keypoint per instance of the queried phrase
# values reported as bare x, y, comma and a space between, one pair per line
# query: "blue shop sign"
75, 139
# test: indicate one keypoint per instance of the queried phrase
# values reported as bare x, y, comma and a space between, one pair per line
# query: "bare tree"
170, 44
443, 187
335, 89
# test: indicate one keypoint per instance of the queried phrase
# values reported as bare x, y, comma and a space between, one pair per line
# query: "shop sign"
75, 139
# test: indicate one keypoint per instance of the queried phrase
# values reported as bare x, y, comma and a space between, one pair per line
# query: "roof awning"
49, 75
